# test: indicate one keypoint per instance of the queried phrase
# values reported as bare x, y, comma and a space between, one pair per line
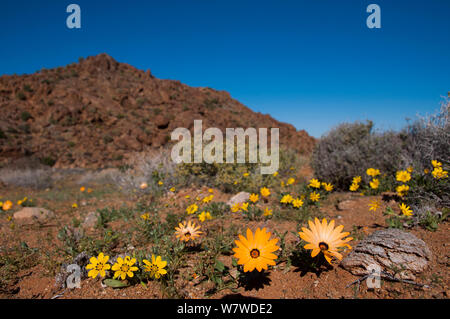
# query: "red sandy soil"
280, 282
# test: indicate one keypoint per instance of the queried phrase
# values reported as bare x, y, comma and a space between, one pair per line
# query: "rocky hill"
100, 113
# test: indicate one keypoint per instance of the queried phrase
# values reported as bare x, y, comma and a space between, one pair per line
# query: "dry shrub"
350, 148
145, 168
31, 178
428, 139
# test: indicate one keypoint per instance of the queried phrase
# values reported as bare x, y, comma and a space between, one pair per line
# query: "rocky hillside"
100, 113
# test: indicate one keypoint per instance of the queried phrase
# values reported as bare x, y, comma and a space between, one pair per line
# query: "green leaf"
234, 262
113, 283
219, 266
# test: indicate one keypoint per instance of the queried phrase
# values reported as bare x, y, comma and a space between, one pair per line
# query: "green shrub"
25, 116
21, 96
48, 160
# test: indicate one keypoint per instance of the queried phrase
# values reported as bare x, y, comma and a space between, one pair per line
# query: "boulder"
30, 215
397, 252
239, 198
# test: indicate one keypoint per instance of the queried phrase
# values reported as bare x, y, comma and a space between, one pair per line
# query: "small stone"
239, 198
91, 220
345, 205
30, 215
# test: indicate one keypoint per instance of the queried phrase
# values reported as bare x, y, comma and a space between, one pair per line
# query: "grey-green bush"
350, 148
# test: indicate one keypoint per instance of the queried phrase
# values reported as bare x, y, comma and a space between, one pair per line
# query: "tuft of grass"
13, 260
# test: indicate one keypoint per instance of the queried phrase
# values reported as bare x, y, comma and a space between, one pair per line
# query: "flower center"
254, 253
153, 268
187, 234
323, 246
99, 267
125, 268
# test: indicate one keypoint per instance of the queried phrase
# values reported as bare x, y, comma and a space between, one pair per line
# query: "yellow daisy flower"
235, 208
436, 163
403, 176
204, 216
191, 209
244, 206
267, 211
265, 192
207, 199
254, 198
406, 210
314, 197
402, 190
356, 180
439, 173
374, 205
297, 203
98, 266
373, 172
156, 267
374, 183
286, 199
328, 186
124, 267
314, 183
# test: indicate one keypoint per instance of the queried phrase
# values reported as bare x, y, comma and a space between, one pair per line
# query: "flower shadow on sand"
305, 263
254, 280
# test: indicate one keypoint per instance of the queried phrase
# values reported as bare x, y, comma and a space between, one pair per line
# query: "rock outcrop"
396, 252
99, 113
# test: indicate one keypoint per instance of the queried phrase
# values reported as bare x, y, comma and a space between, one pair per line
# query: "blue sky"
313, 64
